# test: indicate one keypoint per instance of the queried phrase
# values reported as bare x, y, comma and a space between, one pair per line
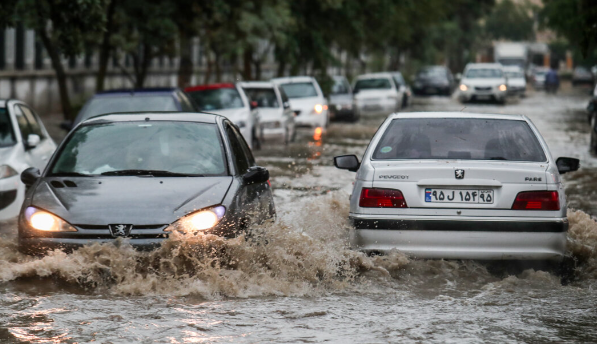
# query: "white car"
483, 81
404, 88
24, 143
378, 93
515, 81
306, 100
276, 116
230, 100
459, 186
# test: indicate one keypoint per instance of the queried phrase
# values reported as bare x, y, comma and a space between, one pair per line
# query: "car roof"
209, 87
457, 114
375, 75
256, 84
132, 91
173, 116
291, 79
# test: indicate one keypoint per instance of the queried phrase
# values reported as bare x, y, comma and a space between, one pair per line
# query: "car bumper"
473, 238
342, 113
482, 95
40, 245
376, 109
311, 120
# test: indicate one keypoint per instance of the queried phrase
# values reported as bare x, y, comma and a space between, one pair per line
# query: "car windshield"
299, 90
431, 73
217, 99
340, 86
514, 75
459, 138
372, 84
7, 136
484, 73
265, 97
126, 103
177, 148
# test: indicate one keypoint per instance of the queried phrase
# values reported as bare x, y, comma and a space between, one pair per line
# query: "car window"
217, 99
372, 84
24, 126
7, 135
33, 121
459, 138
188, 148
340, 86
240, 159
484, 73
126, 103
265, 97
299, 90
514, 75
283, 95
245, 147
185, 103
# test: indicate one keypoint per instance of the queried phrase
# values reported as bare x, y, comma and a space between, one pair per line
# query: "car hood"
341, 99
483, 81
235, 115
305, 105
134, 200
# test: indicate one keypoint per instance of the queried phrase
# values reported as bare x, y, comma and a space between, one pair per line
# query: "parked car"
483, 81
403, 87
187, 172
515, 81
132, 100
378, 93
231, 101
306, 100
538, 78
24, 143
434, 80
341, 100
582, 75
276, 116
459, 186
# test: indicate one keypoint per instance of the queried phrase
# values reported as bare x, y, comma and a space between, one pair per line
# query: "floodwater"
297, 282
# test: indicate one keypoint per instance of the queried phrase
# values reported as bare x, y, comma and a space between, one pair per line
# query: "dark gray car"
142, 176
341, 100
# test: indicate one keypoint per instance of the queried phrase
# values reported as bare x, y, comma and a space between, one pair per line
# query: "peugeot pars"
459, 186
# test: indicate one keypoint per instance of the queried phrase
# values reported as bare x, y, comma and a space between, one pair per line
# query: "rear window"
265, 97
373, 84
484, 73
133, 103
7, 136
299, 90
459, 138
217, 99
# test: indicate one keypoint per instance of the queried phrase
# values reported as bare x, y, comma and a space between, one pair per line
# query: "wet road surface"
298, 281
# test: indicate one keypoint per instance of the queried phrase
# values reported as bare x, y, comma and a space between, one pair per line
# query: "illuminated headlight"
318, 108
7, 172
199, 221
241, 124
463, 87
503, 88
45, 221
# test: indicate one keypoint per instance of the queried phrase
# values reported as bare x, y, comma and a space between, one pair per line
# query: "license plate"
431, 90
458, 196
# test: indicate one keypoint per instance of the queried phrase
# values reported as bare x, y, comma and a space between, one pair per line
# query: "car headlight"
198, 221
7, 172
318, 109
503, 88
463, 87
45, 221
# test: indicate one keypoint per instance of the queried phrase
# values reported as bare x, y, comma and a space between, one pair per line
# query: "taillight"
382, 198
537, 200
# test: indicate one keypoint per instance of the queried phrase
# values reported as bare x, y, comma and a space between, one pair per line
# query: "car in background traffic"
341, 104
459, 186
306, 100
231, 101
24, 143
276, 116
378, 93
434, 80
483, 81
582, 76
403, 87
516, 81
538, 77
174, 172
132, 100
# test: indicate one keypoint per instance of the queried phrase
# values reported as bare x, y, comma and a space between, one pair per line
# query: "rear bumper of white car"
479, 238
311, 120
376, 107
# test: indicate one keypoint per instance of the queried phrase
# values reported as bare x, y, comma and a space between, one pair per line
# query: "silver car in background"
483, 81
459, 186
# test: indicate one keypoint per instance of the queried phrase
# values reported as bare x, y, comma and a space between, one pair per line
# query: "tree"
576, 20
510, 21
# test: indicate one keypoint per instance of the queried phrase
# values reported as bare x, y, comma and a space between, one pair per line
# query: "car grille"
103, 232
477, 88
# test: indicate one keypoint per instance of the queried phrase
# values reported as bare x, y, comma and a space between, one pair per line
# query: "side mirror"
567, 165
347, 162
256, 175
30, 176
66, 125
254, 105
32, 141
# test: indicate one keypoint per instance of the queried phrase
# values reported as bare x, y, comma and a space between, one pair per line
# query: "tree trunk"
247, 68
105, 48
185, 68
217, 66
60, 74
142, 65
208, 71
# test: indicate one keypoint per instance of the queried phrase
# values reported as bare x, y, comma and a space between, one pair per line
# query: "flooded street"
296, 280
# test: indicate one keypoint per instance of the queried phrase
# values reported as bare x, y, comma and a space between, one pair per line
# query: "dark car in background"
133, 100
582, 76
184, 172
341, 101
434, 80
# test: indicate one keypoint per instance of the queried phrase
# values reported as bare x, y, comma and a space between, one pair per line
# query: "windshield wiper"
70, 174
154, 173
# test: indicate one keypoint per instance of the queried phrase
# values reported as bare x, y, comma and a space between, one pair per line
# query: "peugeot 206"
141, 177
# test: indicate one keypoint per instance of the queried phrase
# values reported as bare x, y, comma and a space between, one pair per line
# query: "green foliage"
576, 20
510, 21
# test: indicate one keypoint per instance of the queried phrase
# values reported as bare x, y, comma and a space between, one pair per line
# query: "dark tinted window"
299, 90
126, 103
265, 97
240, 160
7, 135
373, 84
32, 119
217, 99
459, 138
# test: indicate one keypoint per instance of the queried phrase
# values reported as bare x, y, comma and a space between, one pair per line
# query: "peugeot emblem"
459, 174
120, 230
